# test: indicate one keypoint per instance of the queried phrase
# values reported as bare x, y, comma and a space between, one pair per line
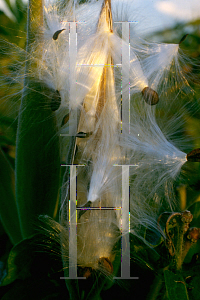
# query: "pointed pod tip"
106, 15
150, 96
194, 155
56, 34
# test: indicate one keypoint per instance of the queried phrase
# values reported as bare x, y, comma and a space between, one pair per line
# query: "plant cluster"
102, 160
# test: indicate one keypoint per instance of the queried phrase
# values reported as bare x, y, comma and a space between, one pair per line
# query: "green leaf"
175, 286
37, 148
14, 270
8, 208
195, 211
191, 272
33, 259
37, 157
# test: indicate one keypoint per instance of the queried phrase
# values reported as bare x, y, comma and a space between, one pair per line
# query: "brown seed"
150, 96
194, 155
183, 38
84, 272
87, 273
65, 120
83, 135
56, 34
106, 264
55, 101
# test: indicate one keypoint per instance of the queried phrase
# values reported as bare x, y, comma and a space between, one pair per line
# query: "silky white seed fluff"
155, 160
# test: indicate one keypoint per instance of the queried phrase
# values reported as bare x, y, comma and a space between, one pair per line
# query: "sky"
161, 14
156, 14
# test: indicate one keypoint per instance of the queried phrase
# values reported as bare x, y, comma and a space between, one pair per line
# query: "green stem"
155, 288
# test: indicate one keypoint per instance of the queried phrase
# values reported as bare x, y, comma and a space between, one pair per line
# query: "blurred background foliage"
12, 57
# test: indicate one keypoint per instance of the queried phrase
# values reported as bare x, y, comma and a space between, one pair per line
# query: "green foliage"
8, 208
31, 273
176, 287
12, 43
37, 157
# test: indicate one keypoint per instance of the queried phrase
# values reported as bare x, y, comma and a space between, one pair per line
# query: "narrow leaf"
8, 208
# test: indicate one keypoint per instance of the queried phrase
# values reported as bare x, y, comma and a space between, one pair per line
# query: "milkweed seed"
56, 34
65, 120
87, 273
83, 135
150, 96
194, 155
106, 263
84, 272
183, 38
55, 101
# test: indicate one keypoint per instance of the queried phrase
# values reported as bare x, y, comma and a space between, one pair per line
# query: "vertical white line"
125, 77
125, 250
125, 266
125, 198
72, 67
74, 10
72, 225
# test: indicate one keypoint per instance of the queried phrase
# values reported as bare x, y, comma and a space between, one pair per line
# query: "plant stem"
155, 288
